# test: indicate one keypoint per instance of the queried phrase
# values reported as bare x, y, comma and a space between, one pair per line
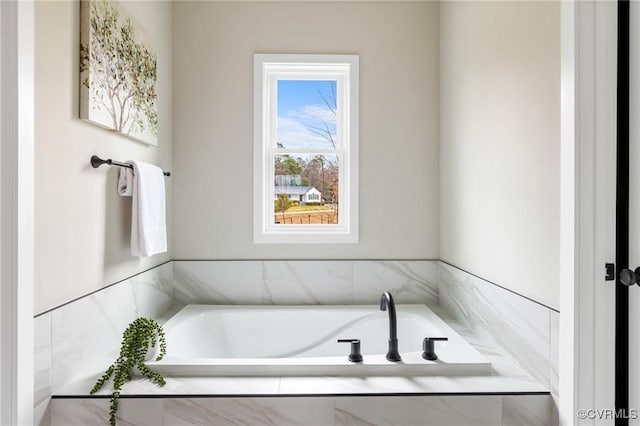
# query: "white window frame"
268, 70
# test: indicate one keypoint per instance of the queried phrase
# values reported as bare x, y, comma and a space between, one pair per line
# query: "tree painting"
118, 73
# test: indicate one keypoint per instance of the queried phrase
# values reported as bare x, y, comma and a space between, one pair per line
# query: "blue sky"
300, 109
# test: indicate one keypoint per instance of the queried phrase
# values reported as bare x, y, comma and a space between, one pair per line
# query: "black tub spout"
387, 304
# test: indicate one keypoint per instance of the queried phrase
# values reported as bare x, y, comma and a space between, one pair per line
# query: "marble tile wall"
82, 337
521, 329
69, 349
555, 362
223, 282
528, 410
451, 410
86, 334
42, 366
305, 282
507, 325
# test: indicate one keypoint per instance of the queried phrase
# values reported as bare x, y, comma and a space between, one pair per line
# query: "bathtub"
213, 340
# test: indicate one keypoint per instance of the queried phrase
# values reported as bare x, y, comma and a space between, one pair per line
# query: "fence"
306, 219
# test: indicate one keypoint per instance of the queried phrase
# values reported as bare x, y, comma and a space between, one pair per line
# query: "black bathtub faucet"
387, 304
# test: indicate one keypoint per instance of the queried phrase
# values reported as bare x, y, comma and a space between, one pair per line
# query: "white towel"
125, 182
145, 183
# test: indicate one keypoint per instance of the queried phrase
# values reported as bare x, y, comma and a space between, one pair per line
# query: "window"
306, 149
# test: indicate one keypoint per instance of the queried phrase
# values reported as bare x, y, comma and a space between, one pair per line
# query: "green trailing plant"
142, 334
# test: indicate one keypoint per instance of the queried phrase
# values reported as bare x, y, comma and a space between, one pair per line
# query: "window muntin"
306, 147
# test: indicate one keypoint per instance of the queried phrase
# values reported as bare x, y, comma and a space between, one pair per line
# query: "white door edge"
16, 212
587, 309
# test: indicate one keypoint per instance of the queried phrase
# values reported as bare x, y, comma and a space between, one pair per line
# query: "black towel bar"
97, 162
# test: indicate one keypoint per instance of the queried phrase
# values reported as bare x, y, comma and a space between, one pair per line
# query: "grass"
294, 209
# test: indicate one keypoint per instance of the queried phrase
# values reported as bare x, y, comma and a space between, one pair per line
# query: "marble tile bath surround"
476, 306
78, 339
303, 282
490, 410
519, 328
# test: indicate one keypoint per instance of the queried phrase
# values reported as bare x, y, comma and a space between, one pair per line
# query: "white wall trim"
587, 208
17, 193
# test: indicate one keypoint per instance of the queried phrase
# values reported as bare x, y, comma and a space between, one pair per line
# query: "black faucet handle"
428, 346
355, 355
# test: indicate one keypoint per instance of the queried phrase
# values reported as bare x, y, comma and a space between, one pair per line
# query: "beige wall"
82, 226
214, 43
500, 143
489, 78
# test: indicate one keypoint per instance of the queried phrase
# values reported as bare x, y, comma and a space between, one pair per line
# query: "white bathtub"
212, 340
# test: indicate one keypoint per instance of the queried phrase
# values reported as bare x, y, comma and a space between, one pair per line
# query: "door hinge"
611, 272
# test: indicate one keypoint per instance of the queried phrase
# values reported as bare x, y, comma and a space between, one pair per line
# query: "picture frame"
118, 72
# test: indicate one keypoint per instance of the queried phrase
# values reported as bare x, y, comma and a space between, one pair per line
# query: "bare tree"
320, 125
333, 189
325, 126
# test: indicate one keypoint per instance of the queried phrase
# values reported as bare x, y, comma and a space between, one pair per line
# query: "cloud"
295, 127
316, 112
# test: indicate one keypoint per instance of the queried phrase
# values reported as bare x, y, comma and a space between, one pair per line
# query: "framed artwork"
118, 72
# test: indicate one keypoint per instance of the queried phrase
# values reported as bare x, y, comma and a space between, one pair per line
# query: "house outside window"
305, 148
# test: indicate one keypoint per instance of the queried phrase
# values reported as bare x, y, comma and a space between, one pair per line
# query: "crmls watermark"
608, 414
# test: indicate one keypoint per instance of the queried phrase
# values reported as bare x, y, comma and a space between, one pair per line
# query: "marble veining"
511, 323
250, 411
408, 281
42, 358
42, 413
86, 334
83, 412
502, 366
186, 412
307, 282
223, 282
518, 336
455, 410
427, 411
524, 410
554, 354
153, 291
42, 369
